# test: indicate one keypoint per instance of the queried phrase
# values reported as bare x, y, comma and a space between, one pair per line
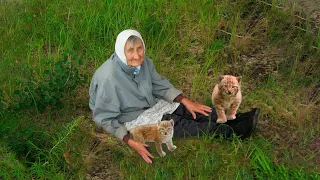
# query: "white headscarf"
121, 42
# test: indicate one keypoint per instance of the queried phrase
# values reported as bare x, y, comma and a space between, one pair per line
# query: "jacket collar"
127, 69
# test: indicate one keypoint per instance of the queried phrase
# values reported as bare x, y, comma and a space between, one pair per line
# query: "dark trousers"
185, 125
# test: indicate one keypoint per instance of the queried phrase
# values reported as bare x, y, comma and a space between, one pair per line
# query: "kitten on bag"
226, 97
161, 132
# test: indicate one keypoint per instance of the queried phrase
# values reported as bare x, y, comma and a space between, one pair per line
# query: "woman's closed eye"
140, 49
131, 50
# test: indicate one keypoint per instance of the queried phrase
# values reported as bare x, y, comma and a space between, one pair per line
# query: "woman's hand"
193, 107
141, 149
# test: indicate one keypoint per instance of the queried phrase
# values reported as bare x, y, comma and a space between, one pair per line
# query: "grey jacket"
117, 95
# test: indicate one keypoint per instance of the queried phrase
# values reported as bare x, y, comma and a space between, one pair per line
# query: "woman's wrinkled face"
134, 53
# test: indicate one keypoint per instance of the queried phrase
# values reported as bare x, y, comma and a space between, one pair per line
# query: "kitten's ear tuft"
159, 122
171, 122
239, 78
220, 78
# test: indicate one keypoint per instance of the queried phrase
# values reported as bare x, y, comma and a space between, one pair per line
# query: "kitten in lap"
226, 97
161, 132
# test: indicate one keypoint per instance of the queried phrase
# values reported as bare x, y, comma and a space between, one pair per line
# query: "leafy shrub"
49, 90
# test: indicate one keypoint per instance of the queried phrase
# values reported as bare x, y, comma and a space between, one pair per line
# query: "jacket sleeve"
161, 87
106, 108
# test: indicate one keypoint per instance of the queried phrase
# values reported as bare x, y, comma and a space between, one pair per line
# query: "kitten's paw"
162, 154
231, 117
173, 148
221, 120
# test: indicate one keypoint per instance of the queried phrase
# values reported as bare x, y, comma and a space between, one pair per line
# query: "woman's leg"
185, 125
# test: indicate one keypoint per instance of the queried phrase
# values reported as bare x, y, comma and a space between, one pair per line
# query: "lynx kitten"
161, 132
226, 97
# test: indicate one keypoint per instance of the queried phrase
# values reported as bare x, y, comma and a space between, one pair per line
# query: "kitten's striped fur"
226, 97
162, 132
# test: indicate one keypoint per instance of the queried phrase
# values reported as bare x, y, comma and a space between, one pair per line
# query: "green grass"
48, 48
208, 159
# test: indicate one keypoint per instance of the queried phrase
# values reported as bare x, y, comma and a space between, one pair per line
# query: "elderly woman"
126, 91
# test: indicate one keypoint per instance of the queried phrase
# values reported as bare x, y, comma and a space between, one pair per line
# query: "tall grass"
191, 43
214, 160
42, 151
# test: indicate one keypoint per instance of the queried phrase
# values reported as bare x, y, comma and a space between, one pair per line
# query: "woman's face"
134, 53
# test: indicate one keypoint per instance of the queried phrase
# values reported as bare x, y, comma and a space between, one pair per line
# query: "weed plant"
50, 49
49, 90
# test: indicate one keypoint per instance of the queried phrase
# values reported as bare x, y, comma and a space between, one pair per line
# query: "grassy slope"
191, 43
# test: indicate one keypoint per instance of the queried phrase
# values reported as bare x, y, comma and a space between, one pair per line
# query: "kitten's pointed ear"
171, 122
220, 78
239, 78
